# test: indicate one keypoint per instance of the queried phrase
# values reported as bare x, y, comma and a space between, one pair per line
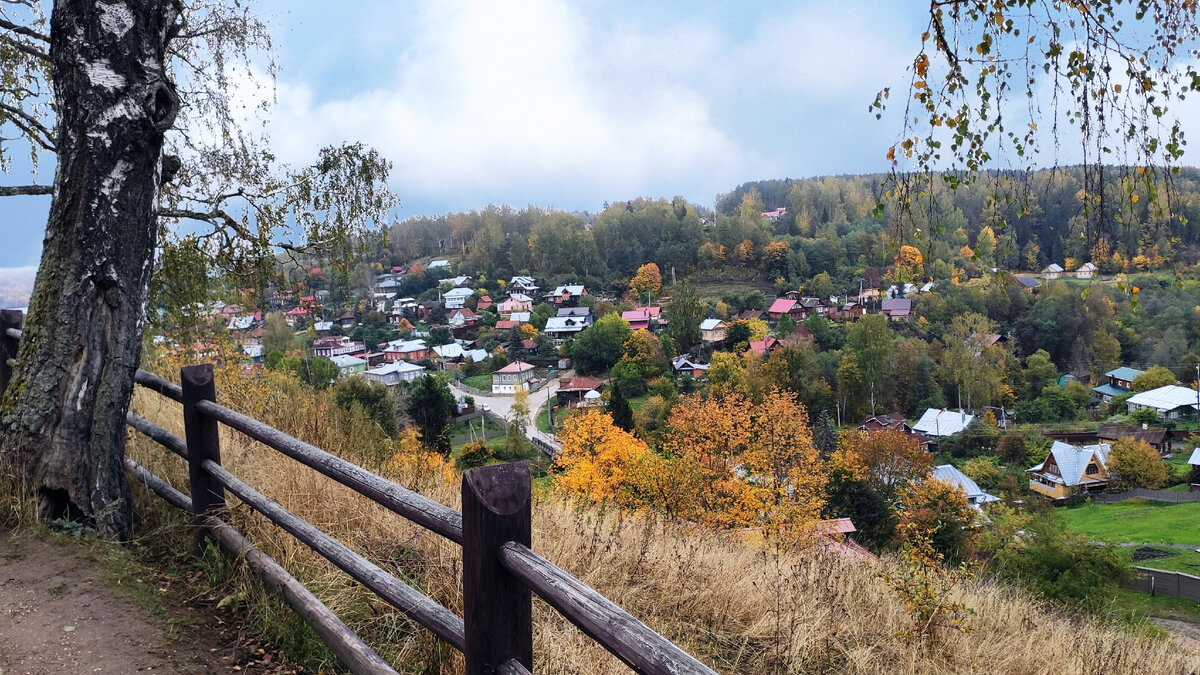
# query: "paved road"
501, 406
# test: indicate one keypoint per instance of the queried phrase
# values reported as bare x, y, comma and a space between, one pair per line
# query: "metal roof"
942, 422
1166, 398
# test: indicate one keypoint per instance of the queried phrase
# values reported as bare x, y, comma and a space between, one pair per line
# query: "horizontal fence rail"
500, 571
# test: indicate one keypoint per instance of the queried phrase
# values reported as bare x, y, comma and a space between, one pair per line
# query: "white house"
455, 298
392, 374
1052, 271
936, 423
1086, 271
1171, 402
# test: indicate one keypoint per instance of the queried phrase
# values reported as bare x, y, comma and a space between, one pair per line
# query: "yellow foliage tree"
648, 279
909, 262
596, 456
528, 331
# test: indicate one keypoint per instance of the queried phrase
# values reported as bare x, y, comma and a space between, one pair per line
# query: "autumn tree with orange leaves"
596, 455
890, 461
647, 280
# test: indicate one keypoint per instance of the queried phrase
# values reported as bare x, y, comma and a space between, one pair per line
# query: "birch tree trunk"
64, 412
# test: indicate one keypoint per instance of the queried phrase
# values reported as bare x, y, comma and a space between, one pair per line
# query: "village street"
501, 406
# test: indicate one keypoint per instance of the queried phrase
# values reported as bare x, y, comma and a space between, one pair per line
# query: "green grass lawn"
1184, 561
560, 414
1134, 605
483, 381
1137, 520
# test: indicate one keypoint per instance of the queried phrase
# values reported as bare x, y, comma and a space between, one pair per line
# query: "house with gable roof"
1120, 382
976, 497
1070, 469
1171, 402
1052, 271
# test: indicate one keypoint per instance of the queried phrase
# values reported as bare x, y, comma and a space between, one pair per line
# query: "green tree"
871, 341
370, 397
431, 407
277, 335
684, 314
316, 372
1153, 378
1040, 372
516, 442
619, 408
601, 345
737, 333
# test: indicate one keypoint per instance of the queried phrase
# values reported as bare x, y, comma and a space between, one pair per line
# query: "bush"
473, 455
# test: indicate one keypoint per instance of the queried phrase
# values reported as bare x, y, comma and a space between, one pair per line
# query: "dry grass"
736, 606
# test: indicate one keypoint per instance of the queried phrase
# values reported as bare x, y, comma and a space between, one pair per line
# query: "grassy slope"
738, 607
1136, 520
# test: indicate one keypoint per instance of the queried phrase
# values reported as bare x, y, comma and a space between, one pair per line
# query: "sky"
570, 104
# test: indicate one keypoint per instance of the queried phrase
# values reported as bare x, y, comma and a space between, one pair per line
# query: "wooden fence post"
9, 318
497, 607
203, 442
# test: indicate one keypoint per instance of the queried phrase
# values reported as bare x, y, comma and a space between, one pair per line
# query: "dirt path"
1186, 635
58, 614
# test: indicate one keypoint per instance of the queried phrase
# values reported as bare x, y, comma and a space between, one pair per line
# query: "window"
1092, 470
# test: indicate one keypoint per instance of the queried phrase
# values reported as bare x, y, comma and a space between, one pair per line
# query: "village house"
484, 303
516, 302
684, 365
896, 309
712, 330
1052, 271
764, 346
438, 265
976, 497
566, 295
889, 422
336, 345
462, 281
456, 298
780, 307
461, 317
648, 318
405, 350
1027, 284
1068, 469
1171, 402
562, 328
349, 365
573, 391
1086, 271
850, 311
346, 320
392, 374
936, 423
1120, 382
515, 375
523, 285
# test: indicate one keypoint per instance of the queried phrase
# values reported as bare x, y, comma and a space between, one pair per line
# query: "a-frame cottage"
1069, 469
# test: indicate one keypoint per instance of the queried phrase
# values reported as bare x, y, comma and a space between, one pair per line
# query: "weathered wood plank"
616, 630
157, 434
497, 607
158, 384
441, 621
203, 444
342, 641
421, 510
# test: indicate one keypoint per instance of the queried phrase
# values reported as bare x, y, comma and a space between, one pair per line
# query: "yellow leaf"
1117, 88
1133, 198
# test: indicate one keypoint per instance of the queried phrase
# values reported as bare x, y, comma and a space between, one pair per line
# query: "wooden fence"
500, 572
1151, 495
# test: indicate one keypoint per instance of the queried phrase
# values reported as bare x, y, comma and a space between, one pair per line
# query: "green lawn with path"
1137, 520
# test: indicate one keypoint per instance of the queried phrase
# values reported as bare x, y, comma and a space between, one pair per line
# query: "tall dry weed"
741, 607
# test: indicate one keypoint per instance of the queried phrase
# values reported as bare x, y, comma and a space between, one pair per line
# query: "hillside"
740, 606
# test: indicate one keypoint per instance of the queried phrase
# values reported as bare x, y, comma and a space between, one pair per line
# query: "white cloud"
519, 100
16, 283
